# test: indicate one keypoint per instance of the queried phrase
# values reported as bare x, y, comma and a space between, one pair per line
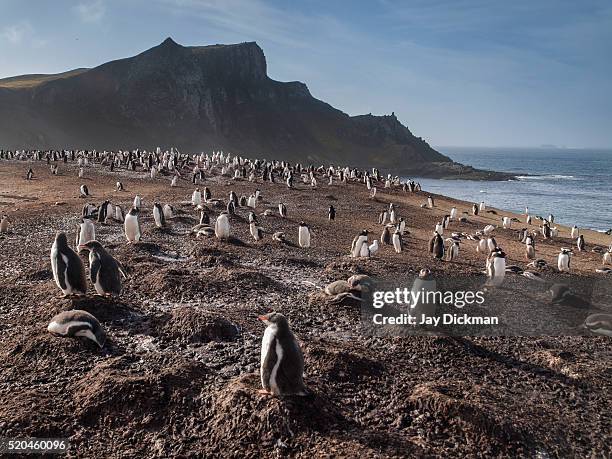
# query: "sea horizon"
574, 188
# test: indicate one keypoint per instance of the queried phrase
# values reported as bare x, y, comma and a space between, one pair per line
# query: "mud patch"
326, 360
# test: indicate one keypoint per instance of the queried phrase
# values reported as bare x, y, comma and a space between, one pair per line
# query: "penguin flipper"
268, 364
61, 269
94, 270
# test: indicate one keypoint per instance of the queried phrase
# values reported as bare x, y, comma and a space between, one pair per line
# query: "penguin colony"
282, 362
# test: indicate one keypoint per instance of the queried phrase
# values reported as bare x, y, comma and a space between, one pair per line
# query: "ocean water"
575, 185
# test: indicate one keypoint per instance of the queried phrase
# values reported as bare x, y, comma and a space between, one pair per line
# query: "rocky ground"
179, 375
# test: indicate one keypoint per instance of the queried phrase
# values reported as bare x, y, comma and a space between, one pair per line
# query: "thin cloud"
17, 33
91, 12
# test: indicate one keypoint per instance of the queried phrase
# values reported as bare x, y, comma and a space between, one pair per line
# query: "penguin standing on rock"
282, 210
436, 246
357, 242
304, 235
282, 361
131, 226
77, 323
68, 269
103, 269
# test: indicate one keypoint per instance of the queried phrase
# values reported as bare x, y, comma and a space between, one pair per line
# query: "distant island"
200, 98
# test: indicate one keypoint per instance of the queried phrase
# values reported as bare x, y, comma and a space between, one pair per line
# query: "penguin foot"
264, 392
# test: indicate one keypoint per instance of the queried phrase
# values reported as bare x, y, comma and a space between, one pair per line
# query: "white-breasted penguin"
137, 202
84, 191
496, 267
282, 210
304, 235
103, 269
196, 197
564, 259
119, 214
530, 252
452, 253
397, 241
436, 246
357, 242
430, 202
600, 324
76, 323
575, 232
4, 224
86, 232
385, 237
331, 213
453, 213
68, 268
282, 361
607, 258
222, 226
423, 305
158, 215
131, 226
256, 231
580, 243
168, 211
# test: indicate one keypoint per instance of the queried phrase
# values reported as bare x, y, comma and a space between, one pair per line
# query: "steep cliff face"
202, 98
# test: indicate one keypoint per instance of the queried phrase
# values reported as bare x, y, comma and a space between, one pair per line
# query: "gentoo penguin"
546, 230
436, 246
364, 250
607, 258
168, 211
357, 242
506, 222
119, 214
102, 211
600, 324
483, 207
491, 243
222, 226
158, 215
401, 225
174, 181
304, 235
256, 231
331, 213
231, 208
86, 232
430, 202
103, 269
196, 197
453, 213
563, 260
439, 228
385, 237
392, 217
252, 217
475, 209
528, 219
68, 269
397, 240
282, 210
131, 226
382, 217
453, 251
119, 186
445, 221
530, 252
575, 232
374, 247
204, 218
422, 306
580, 243
279, 236
496, 267
77, 323
137, 202
282, 362
84, 191
4, 224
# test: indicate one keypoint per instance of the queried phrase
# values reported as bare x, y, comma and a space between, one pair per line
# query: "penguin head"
275, 318
424, 273
61, 239
134, 211
92, 246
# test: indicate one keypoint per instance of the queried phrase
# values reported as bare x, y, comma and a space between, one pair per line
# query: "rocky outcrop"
203, 98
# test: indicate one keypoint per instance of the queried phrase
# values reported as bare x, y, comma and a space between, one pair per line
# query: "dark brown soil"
179, 375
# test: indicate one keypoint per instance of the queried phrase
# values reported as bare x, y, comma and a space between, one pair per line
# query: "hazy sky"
488, 73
